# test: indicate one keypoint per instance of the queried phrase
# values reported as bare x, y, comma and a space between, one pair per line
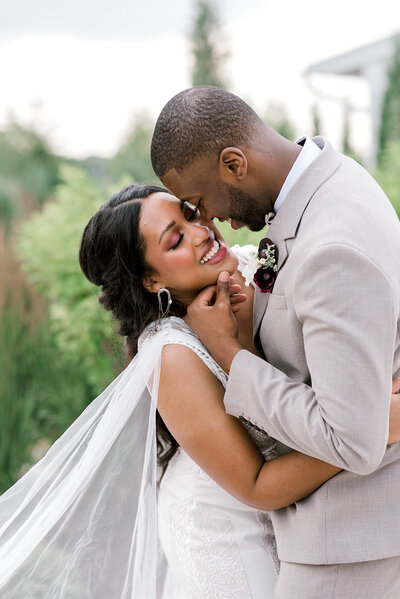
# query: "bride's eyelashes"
190, 212
177, 242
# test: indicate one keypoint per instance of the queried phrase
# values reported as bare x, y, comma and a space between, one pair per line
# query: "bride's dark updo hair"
112, 255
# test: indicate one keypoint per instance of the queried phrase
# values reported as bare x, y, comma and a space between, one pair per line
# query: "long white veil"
81, 524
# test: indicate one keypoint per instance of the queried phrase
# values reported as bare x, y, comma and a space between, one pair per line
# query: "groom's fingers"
234, 288
223, 287
238, 299
235, 296
206, 297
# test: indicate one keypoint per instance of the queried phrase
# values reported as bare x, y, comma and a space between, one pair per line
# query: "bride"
96, 518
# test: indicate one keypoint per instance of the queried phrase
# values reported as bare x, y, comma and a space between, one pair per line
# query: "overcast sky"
84, 68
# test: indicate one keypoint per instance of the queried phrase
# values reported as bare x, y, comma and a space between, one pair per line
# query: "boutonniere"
263, 266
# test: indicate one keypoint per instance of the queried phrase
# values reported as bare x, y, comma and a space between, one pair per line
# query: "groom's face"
201, 185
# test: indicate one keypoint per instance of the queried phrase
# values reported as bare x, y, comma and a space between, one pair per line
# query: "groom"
327, 322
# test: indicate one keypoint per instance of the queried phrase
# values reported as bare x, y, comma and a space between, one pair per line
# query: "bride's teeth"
211, 253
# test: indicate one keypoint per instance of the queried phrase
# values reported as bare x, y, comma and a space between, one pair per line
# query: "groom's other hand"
394, 421
211, 317
396, 385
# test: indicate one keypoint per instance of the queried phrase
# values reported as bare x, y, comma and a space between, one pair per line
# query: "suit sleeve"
348, 310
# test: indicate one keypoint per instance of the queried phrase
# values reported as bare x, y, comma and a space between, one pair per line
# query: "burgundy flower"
265, 276
265, 279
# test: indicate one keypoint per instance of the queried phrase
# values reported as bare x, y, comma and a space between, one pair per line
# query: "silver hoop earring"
161, 311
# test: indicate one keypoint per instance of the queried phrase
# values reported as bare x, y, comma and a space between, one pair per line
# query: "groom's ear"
232, 165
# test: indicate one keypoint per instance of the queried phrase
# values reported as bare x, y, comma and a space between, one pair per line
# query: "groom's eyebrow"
167, 228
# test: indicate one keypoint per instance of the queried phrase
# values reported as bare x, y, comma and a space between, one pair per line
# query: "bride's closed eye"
190, 212
177, 238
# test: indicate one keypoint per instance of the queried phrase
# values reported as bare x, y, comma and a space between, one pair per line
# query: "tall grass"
41, 391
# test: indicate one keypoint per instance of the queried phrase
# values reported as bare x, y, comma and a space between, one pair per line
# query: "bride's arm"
191, 404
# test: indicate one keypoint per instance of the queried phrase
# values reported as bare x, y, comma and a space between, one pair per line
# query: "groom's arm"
348, 311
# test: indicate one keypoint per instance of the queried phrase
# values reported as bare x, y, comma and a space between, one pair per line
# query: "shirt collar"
308, 153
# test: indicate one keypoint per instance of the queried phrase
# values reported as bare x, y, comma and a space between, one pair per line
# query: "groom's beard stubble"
243, 208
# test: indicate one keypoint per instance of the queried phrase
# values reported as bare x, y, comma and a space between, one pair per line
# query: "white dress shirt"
308, 153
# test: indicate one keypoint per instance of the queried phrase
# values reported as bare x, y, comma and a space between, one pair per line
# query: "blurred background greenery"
58, 348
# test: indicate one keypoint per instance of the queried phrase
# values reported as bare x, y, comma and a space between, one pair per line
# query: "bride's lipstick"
219, 255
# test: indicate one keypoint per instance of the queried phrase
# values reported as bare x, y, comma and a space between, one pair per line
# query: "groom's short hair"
198, 122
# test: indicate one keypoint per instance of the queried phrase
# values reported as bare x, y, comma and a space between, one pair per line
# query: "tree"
388, 173
208, 57
133, 157
27, 160
390, 120
347, 148
49, 246
28, 172
316, 120
277, 117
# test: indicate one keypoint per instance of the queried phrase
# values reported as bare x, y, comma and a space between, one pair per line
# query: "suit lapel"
259, 306
286, 222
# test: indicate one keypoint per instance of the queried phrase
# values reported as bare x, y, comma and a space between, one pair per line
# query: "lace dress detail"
204, 545
266, 444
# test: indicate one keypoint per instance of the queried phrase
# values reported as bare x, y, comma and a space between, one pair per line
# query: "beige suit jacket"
330, 335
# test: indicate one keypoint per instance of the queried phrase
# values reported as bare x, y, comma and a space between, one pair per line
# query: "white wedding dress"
216, 546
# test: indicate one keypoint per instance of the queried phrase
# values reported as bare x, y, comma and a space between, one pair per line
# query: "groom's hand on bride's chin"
211, 317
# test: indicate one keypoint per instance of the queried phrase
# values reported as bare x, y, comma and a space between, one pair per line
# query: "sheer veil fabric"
82, 523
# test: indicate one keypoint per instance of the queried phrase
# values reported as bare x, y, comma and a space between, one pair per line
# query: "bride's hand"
394, 422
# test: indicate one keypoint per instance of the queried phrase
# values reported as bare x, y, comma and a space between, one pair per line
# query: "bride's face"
186, 252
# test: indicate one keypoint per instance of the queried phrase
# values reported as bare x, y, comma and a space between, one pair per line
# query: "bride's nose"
200, 233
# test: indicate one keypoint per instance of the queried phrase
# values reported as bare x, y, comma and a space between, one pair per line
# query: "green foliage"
388, 173
133, 157
390, 121
49, 246
41, 392
316, 121
8, 205
208, 57
28, 168
241, 237
276, 116
347, 147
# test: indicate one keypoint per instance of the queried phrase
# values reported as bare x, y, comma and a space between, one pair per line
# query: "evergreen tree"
208, 57
388, 173
316, 121
390, 122
347, 148
276, 116
133, 157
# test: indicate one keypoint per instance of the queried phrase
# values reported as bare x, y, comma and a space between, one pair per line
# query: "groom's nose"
205, 214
